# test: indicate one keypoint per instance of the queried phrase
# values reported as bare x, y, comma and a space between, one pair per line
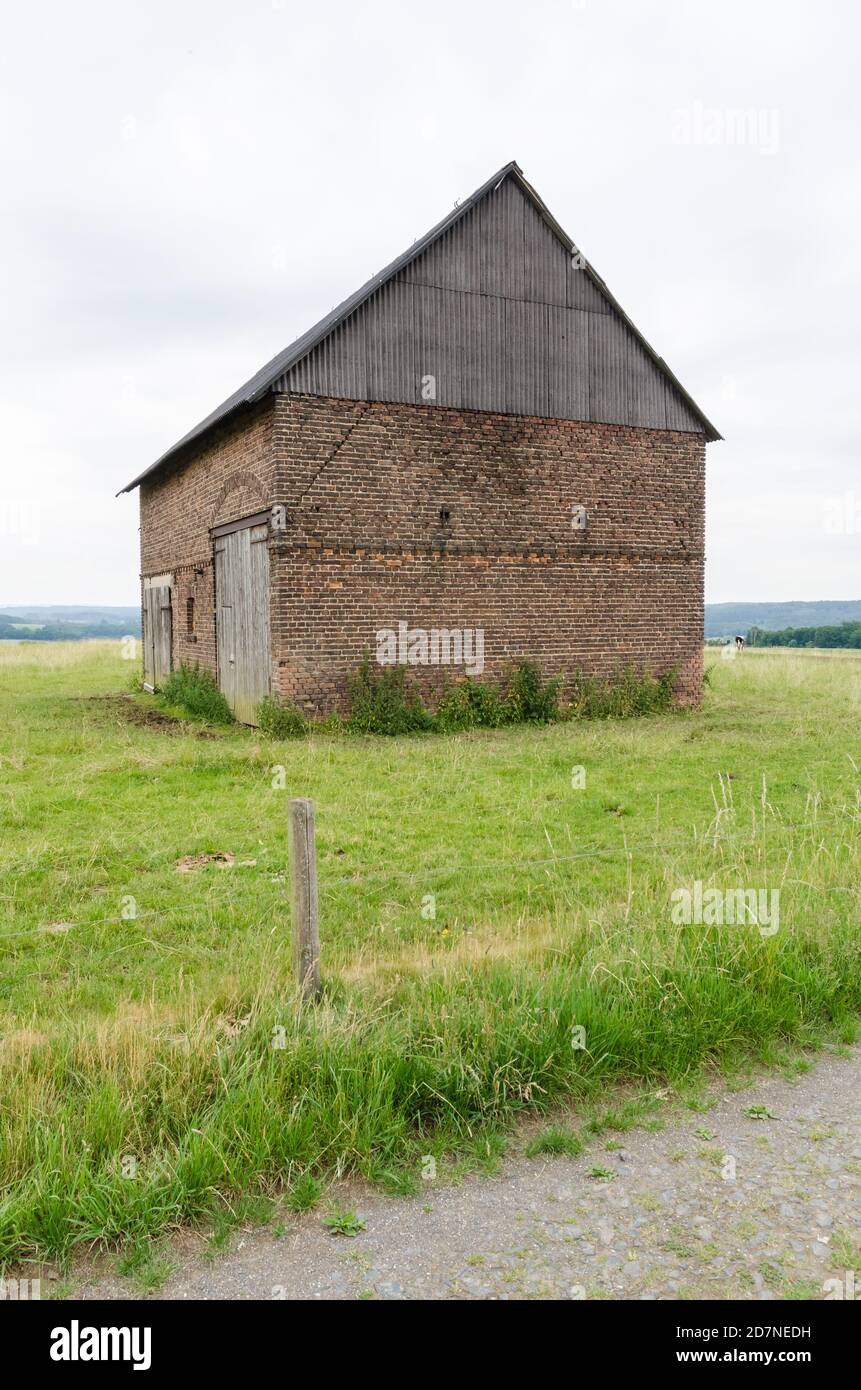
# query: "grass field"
477, 906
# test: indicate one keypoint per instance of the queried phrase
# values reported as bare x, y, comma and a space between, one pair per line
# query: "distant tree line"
837, 635
728, 619
11, 629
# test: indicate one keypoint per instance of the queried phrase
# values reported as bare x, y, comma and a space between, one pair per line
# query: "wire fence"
711, 838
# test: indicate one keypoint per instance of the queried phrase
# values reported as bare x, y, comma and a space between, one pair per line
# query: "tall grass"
375, 1079
174, 1038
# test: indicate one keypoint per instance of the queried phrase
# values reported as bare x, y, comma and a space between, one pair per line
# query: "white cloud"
188, 187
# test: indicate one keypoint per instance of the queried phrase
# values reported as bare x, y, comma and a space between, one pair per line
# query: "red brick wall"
364, 548
230, 477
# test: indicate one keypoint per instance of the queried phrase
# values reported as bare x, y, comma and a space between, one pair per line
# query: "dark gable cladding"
299, 368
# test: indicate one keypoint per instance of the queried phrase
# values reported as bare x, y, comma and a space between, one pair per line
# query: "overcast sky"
189, 184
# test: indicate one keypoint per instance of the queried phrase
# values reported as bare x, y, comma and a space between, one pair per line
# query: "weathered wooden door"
242, 615
156, 632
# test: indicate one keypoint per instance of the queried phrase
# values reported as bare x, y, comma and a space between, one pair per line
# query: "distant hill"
66, 622
56, 621
734, 619
69, 613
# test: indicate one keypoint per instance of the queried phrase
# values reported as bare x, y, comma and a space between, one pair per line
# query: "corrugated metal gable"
496, 312
489, 303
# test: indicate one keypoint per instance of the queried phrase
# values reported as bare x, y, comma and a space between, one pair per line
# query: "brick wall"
363, 546
232, 476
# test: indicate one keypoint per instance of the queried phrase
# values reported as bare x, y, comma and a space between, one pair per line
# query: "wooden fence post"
303, 880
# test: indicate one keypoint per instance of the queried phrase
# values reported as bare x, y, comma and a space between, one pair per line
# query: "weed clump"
383, 701
279, 719
627, 697
195, 693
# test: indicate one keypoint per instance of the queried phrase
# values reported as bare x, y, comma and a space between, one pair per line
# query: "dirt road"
671, 1217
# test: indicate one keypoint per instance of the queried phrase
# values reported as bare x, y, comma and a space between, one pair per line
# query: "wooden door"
157, 629
242, 616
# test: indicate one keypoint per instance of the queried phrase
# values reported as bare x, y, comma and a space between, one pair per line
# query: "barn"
475, 459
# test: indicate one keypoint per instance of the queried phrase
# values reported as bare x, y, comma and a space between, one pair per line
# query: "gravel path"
671, 1223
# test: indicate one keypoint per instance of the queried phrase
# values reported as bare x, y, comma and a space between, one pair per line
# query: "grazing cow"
739, 643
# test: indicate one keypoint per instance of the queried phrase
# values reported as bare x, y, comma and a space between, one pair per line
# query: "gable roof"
263, 381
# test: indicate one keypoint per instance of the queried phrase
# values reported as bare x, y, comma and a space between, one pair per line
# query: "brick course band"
330, 548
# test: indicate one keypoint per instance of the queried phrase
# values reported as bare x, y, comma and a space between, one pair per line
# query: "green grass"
846, 1250
477, 906
146, 1265
247, 1210
555, 1140
305, 1192
631, 1113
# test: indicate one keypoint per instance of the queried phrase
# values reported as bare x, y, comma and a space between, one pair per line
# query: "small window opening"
189, 615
